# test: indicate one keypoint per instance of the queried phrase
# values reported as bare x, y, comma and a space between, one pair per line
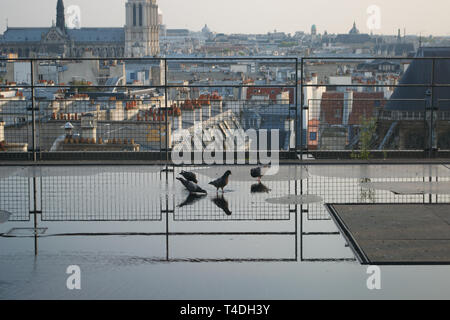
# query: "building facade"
139, 37
142, 28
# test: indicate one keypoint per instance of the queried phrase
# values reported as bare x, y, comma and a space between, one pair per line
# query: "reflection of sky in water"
125, 257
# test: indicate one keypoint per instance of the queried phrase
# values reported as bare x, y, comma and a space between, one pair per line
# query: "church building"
139, 37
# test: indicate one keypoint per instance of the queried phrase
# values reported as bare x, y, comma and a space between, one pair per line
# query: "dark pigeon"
259, 188
191, 199
258, 172
221, 203
222, 182
191, 187
189, 176
4, 216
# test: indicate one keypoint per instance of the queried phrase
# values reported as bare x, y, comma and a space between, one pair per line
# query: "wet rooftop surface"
135, 233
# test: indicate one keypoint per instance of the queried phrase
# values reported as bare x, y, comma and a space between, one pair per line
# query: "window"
134, 15
337, 113
313, 136
140, 15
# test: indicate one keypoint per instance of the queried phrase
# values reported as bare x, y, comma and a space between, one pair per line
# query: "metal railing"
343, 133
107, 122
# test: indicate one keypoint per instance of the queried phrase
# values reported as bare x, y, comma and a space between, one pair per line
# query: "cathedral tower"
142, 28
60, 18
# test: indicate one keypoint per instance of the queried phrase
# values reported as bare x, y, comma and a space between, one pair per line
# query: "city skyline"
291, 16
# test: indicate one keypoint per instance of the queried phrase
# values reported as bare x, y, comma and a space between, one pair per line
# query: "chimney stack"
2, 131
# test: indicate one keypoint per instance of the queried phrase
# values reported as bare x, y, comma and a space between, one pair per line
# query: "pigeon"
259, 188
258, 172
193, 198
191, 187
221, 183
221, 203
189, 176
4, 216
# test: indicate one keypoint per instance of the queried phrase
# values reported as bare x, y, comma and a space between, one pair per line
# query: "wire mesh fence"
143, 193
326, 107
106, 196
14, 195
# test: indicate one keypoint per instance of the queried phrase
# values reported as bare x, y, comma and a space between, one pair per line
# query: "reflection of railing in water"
127, 194
71, 198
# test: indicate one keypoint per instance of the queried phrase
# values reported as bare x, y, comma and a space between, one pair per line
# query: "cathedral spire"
60, 18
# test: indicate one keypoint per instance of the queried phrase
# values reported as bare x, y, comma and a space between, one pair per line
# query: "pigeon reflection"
191, 199
259, 188
222, 203
4, 216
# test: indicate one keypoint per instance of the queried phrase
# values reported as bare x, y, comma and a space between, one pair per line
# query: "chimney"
206, 110
89, 127
217, 107
2, 131
177, 122
189, 117
68, 129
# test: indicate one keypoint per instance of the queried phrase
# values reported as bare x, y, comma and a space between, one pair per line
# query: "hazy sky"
248, 16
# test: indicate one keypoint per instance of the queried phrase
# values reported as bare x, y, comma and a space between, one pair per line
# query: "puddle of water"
278, 231
411, 188
295, 200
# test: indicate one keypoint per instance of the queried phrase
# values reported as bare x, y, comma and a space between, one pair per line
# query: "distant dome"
206, 29
354, 30
313, 29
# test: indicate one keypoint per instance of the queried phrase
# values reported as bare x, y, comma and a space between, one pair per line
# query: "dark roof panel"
420, 72
24, 34
78, 35
97, 34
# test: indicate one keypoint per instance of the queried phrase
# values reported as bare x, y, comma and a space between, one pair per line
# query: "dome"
206, 29
354, 30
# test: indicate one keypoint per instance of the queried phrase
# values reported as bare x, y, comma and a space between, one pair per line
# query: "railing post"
433, 145
432, 129
166, 93
33, 113
296, 125
302, 98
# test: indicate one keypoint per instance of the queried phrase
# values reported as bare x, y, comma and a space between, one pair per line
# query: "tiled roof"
97, 34
23, 34
78, 35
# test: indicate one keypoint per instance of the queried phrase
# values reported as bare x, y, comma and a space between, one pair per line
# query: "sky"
251, 16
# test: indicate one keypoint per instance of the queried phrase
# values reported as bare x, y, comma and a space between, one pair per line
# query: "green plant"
84, 85
367, 131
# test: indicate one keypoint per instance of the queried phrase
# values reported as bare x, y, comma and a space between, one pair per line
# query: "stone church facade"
139, 37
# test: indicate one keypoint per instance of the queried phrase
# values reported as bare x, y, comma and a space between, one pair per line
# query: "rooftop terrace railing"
136, 108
